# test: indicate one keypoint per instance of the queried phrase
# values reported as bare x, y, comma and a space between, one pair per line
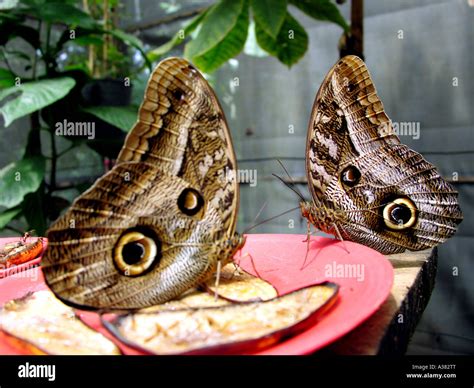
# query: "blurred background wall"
420, 55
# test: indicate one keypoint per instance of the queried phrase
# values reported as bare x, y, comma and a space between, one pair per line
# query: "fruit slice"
39, 323
236, 285
193, 298
233, 328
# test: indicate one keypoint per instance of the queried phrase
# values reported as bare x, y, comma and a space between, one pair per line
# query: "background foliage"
51, 50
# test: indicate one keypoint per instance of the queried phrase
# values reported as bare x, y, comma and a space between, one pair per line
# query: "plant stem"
90, 48
35, 58
105, 47
33, 145
48, 37
54, 160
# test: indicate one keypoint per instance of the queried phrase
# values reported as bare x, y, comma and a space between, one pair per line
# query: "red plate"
365, 278
23, 266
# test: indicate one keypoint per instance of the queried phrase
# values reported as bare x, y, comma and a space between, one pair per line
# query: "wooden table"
389, 330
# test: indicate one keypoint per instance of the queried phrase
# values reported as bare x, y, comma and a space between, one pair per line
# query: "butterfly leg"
253, 265
237, 263
218, 278
308, 236
339, 236
308, 233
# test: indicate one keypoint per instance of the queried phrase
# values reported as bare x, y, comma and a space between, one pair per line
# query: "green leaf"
88, 40
177, 39
123, 117
8, 4
215, 26
228, 48
20, 178
7, 78
32, 96
131, 40
61, 12
269, 14
34, 212
8, 215
11, 29
321, 10
290, 44
138, 90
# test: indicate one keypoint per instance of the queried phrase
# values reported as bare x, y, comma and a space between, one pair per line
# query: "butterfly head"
235, 243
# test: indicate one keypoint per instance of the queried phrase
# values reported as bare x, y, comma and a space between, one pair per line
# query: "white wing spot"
219, 154
328, 143
205, 164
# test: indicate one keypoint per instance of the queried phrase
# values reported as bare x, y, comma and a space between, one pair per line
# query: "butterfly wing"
381, 193
153, 226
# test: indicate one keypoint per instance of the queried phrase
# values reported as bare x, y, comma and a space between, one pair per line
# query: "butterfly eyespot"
350, 87
190, 202
192, 69
400, 214
178, 95
135, 253
350, 176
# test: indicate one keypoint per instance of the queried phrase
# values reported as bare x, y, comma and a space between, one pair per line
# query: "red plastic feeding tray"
365, 278
14, 269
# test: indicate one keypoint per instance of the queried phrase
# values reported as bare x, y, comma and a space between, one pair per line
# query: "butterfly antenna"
260, 211
270, 219
291, 180
289, 185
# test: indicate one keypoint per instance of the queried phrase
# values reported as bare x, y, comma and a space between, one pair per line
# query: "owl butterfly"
164, 217
366, 186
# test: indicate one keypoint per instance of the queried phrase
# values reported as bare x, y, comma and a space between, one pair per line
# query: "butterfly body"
378, 191
162, 219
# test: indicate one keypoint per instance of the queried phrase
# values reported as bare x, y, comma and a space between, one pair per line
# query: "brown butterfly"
163, 219
366, 186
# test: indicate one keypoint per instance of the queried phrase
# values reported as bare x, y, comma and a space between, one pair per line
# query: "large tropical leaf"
215, 26
123, 117
290, 44
228, 48
8, 4
7, 215
269, 14
32, 96
20, 178
7, 78
177, 39
62, 12
321, 10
